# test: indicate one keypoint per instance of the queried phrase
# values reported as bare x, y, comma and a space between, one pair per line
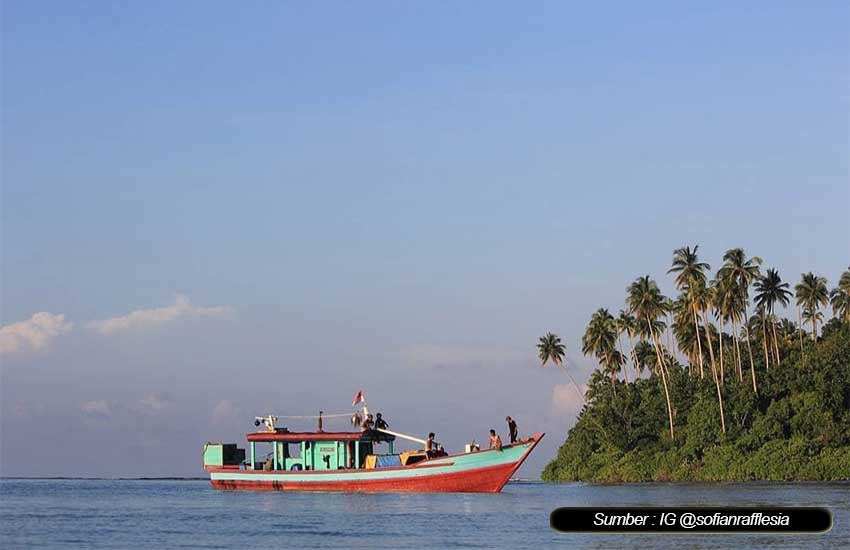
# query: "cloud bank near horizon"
33, 334
39, 331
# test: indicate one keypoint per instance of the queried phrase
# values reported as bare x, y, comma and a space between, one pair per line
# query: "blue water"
189, 514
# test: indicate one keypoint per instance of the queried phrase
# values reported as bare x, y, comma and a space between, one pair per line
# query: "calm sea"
189, 514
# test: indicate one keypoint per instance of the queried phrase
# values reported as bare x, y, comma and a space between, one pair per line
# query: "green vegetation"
720, 390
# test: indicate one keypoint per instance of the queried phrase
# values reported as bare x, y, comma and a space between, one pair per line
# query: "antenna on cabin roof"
268, 421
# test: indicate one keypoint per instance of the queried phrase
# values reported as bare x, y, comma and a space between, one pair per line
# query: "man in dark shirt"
512, 428
380, 423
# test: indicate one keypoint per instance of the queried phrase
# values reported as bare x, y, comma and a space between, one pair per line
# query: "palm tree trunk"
708, 341
764, 341
814, 325
570, 376
722, 368
714, 372
800, 328
671, 342
656, 340
663, 377
632, 354
775, 342
737, 348
620, 347
719, 396
610, 373
699, 341
750, 352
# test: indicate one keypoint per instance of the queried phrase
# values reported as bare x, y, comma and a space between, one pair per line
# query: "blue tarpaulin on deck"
388, 461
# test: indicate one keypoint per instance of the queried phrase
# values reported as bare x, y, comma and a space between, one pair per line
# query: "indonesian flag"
358, 397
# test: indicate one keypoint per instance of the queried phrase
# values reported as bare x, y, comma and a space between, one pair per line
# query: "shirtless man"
431, 446
495, 441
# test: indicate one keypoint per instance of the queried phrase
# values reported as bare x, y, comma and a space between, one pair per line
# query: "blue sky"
396, 197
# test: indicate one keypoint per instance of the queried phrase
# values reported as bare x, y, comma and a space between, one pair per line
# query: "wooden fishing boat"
350, 462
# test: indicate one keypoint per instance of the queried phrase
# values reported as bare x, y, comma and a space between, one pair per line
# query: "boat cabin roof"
293, 437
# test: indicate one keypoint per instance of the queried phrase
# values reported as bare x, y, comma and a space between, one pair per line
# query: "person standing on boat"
320, 421
430, 446
512, 428
368, 423
495, 441
380, 423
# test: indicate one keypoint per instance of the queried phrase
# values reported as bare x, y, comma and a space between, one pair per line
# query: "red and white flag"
358, 397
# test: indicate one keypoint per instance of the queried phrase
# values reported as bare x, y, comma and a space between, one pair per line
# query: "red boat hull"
445, 475
482, 480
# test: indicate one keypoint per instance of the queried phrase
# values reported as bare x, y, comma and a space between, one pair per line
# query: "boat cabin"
283, 450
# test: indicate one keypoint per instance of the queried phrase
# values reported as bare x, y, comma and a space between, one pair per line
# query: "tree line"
722, 330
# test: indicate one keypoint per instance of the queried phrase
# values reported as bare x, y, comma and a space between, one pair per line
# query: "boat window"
293, 450
263, 456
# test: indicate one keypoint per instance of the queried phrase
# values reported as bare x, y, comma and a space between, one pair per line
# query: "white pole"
403, 436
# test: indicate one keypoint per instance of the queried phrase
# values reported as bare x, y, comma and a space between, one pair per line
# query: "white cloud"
36, 333
155, 402
566, 399
97, 408
181, 307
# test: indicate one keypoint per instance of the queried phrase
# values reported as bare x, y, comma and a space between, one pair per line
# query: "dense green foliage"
796, 428
773, 405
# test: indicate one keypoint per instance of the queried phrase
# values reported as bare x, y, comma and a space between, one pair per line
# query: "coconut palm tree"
690, 275
839, 298
669, 308
724, 297
812, 316
625, 324
811, 295
709, 328
600, 340
761, 322
645, 357
789, 327
750, 329
622, 326
702, 297
686, 334
550, 348
770, 290
699, 298
646, 303
740, 272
